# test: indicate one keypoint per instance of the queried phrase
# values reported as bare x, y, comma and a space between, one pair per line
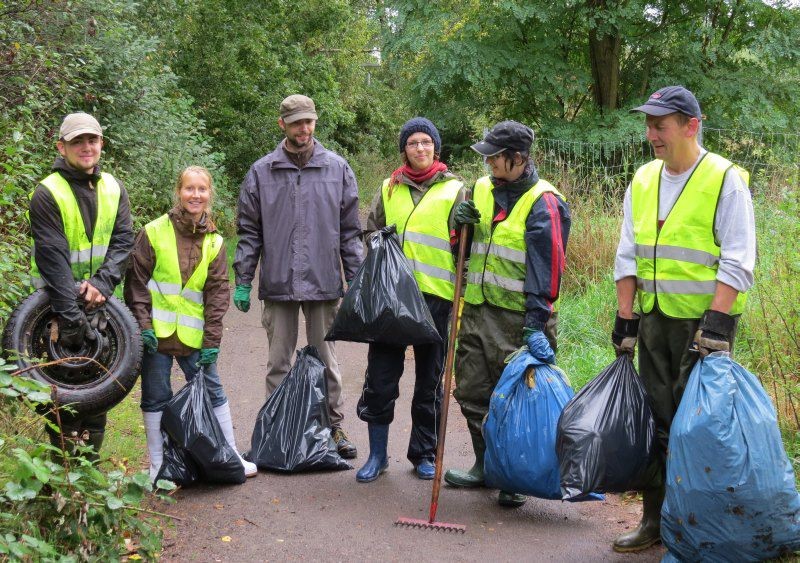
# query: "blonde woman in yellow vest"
687, 248
418, 198
520, 226
177, 288
82, 232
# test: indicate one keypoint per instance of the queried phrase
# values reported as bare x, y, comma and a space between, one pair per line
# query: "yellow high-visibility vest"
424, 233
85, 256
178, 307
676, 266
497, 265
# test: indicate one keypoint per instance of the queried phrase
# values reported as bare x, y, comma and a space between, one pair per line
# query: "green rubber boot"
511, 500
649, 531
472, 477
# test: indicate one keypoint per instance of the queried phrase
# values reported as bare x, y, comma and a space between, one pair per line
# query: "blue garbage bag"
520, 431
730, 486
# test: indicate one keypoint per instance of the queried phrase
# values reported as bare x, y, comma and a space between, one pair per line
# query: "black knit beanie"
420, 125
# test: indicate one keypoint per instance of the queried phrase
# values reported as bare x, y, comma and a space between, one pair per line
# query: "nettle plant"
59, 506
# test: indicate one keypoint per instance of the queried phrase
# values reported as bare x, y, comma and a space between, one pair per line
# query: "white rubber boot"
223, 414
155, 445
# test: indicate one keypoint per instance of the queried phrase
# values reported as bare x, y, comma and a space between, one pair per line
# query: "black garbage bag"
190, 422
605, 435
177, 466
292, 431
384, 303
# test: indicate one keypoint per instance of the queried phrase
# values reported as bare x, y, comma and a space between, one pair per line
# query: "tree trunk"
605, 44
604, 54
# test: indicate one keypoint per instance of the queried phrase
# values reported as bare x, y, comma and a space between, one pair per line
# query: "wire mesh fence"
608, 166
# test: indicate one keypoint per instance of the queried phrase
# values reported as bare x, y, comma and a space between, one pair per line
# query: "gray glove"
98, 320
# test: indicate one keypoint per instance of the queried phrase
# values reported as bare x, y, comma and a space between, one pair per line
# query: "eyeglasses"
423, 144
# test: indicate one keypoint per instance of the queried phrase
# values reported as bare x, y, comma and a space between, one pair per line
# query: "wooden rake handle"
455, 316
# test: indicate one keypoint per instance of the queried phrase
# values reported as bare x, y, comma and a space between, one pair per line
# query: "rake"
430, 523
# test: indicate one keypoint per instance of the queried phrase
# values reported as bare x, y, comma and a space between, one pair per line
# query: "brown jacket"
216, 293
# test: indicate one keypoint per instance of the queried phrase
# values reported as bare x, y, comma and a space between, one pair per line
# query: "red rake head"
425, 525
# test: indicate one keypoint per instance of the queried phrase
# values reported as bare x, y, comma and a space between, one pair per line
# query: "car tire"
84, 386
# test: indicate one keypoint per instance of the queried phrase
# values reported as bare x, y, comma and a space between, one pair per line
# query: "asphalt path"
328, 516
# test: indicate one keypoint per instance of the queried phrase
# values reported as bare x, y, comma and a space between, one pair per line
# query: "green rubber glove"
466, 213
241, 297
150, 341
208, 356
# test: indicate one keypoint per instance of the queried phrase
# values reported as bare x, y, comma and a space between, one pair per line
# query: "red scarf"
417, 176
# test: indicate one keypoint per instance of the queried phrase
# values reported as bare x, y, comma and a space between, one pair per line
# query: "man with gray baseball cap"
298, 217
687, 215
82, 232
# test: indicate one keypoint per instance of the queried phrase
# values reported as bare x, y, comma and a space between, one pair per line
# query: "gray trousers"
281, 319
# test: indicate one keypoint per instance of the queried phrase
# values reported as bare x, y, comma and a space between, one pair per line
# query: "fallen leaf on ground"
226, 538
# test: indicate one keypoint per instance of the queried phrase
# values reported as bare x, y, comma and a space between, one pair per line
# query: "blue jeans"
156, 389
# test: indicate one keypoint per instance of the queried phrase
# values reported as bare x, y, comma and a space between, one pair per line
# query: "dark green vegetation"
179, 82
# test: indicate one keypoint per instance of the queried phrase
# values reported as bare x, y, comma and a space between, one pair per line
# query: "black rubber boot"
472, 477
378, 460
649, 531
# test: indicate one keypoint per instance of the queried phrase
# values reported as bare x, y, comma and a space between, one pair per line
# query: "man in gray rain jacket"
298, 215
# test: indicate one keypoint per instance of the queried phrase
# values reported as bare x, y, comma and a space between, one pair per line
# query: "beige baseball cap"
77, 124
297, 107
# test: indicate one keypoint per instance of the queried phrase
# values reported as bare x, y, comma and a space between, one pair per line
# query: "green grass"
584, 331
125, 442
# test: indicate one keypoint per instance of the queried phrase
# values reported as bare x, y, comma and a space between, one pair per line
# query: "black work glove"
466, 213
71, 334
713, 333
625, 335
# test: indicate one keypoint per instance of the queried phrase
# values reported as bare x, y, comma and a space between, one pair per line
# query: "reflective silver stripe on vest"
427, 240
184, 320
79, 256
500, 281
164, 316
164, 288
507, 253
683, 287
475, 277
479, 248
432, 271
191, 322
195, 296
678, 253
37, 282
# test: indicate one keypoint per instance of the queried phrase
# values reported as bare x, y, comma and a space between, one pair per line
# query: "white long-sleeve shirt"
734, 227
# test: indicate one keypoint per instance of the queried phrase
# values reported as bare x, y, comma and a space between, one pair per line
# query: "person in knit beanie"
419, 198
420, 125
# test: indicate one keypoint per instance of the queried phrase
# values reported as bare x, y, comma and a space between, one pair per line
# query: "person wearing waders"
82, 232
419, 198
520, 226
177, 288
687, 248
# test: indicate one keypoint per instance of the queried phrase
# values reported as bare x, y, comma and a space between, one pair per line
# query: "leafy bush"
71, 510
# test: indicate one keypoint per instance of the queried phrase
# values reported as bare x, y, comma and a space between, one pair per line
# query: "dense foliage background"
179, 82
